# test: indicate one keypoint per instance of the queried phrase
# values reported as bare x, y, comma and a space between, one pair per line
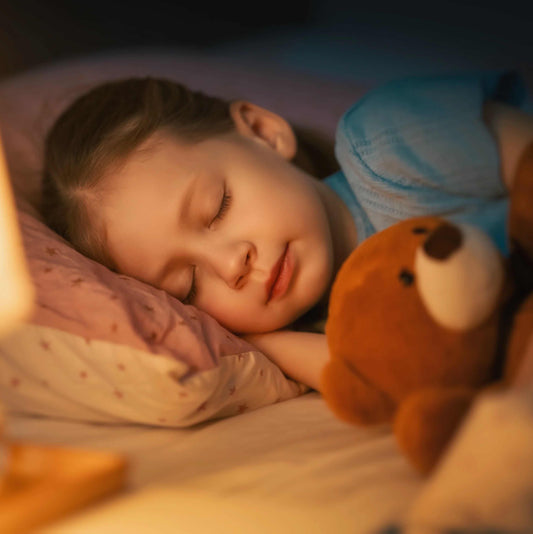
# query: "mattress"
289, 467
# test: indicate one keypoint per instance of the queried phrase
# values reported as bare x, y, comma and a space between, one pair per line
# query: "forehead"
155, 151
164, 155
155, 168
138, 201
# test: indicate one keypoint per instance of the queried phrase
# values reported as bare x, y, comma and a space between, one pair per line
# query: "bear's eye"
420, 230
406, 277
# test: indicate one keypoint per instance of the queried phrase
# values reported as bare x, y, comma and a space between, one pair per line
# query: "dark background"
33, 31
385, 38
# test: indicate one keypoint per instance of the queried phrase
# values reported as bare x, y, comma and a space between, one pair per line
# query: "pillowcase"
105, 347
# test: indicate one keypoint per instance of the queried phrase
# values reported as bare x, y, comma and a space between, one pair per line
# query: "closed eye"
191, 295
224, 207
225, 204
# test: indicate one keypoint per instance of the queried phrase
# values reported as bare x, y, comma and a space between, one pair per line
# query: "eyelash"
224, 207
192, 291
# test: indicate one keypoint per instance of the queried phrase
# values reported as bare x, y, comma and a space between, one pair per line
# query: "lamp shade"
16, 289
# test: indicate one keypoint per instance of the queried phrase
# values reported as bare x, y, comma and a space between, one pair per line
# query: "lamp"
16, 289
39, 483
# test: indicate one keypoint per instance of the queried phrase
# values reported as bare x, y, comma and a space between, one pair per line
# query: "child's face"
227, 224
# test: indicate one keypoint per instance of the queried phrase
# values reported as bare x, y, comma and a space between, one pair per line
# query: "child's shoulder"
402, 101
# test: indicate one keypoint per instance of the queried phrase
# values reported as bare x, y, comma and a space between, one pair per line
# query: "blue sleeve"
418, 146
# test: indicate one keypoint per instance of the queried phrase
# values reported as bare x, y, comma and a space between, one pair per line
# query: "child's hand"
300, 355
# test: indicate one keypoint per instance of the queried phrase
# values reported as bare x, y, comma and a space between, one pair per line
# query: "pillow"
104, 347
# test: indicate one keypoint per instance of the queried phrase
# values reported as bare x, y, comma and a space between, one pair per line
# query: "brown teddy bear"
423, 317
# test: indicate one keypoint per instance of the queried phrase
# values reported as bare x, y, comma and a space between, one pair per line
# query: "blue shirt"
419, 146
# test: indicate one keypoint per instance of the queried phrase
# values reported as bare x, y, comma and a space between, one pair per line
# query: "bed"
216, 438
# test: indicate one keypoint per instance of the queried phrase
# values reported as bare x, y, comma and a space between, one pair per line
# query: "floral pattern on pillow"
105, 347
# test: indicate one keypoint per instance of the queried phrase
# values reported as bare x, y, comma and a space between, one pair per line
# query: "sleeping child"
218, 203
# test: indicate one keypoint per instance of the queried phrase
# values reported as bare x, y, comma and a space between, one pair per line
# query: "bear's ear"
353, 399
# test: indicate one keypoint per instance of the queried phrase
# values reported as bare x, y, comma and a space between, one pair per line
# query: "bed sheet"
290, 467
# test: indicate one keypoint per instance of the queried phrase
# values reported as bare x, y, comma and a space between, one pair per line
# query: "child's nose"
233, 262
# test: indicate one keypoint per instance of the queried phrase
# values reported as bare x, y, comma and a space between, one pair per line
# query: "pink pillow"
106, 347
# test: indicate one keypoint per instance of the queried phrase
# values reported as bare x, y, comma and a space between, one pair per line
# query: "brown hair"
105, 125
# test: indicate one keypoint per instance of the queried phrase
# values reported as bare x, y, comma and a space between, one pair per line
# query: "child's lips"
280, 276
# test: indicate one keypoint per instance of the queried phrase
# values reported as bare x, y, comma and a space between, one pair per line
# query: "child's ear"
264, 126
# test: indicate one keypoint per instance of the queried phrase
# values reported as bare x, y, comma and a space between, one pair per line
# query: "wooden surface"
46, 483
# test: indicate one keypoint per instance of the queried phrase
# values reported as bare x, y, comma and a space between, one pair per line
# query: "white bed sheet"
290, 467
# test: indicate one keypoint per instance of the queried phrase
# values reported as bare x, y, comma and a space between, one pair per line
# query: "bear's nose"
443, 242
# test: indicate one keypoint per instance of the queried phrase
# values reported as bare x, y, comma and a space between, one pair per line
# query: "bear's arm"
352, 398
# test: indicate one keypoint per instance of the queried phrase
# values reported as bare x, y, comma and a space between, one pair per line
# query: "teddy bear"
424, 317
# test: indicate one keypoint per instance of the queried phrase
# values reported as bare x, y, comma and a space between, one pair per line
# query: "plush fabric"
485, 481
105, 347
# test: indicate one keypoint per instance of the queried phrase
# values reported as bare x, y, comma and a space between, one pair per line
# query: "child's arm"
300, 355
513, 130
